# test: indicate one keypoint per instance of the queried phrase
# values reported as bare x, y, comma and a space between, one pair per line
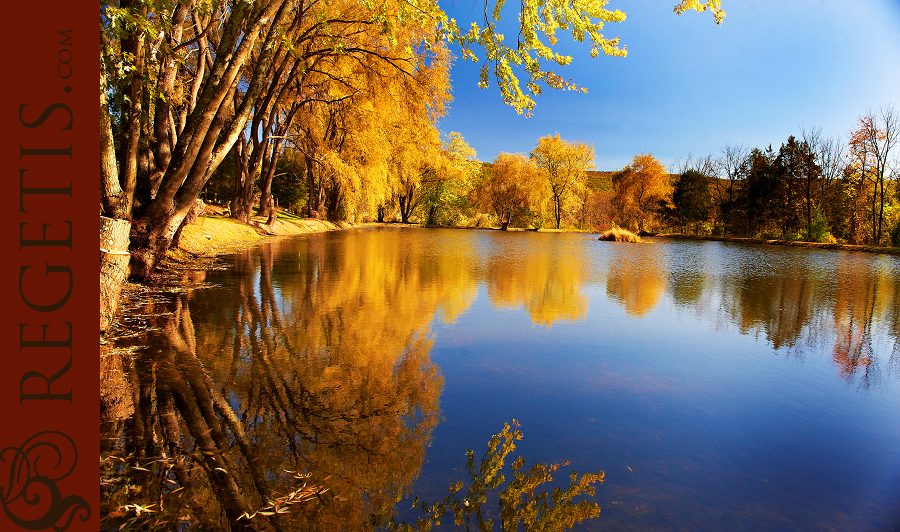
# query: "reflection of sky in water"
671, 382
719, 386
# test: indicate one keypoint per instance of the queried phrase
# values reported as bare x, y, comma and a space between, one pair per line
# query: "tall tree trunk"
116, 227
405, 207
333, 199
242, 196
270, 161
881, 211
209, 133
315, 194
556, 197
114, 258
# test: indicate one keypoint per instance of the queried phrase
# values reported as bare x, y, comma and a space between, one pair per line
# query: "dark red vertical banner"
49, 379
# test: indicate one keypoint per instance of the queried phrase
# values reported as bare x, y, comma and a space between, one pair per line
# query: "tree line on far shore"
813, 188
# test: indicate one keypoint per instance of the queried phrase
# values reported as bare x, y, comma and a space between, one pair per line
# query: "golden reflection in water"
320, 364
290, 376
546, 282
637, 277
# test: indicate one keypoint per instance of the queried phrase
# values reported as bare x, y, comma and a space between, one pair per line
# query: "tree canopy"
511, 188
564, 165
638, 190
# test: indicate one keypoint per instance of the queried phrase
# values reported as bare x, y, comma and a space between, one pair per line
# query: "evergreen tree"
758, 193
691, 198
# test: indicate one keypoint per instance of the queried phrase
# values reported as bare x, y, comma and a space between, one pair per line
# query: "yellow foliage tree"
511, 188
368, 131
448, 181
563, 165
638, 190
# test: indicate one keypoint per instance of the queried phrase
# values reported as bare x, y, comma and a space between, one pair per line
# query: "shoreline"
212, 236
791, 243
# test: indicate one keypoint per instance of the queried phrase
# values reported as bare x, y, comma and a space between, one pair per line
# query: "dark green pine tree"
691, 198
758, 199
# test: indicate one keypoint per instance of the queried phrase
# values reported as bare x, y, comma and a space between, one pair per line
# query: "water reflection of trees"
865, 297
847, 306
317, 362
233, 395
545, 280
637, 278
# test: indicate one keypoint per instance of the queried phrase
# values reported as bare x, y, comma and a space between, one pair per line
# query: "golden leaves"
696, 5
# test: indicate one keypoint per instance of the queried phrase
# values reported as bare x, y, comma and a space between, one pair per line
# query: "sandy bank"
216, 235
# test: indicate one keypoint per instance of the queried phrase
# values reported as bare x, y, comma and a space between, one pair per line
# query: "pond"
718, 386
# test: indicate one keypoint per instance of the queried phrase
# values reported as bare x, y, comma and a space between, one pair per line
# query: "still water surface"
719, 386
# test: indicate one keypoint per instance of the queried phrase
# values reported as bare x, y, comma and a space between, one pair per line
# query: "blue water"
701, 377
719, 386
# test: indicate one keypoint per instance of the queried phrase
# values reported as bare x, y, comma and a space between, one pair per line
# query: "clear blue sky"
688, 86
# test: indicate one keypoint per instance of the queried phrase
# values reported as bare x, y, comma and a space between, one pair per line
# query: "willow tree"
416, 157
444, 194
185, 80
564, 165
369, 132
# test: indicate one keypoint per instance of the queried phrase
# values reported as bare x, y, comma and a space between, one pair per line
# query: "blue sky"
689, 87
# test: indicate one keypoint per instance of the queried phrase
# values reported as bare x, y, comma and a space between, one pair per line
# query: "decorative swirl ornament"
33, 478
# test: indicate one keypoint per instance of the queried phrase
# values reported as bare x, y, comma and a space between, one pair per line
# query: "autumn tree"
873, 142
539, 21
593, 200
444, 196
419, 164
512, 188
368, 132
259, 145
638, 190
861, 180
563, 165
